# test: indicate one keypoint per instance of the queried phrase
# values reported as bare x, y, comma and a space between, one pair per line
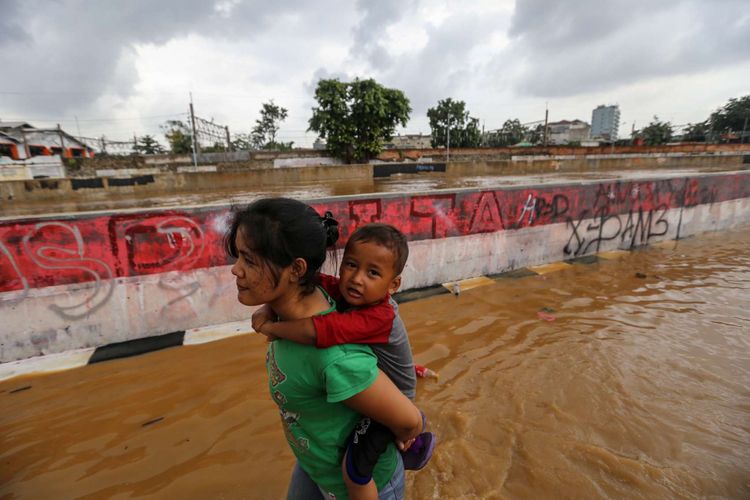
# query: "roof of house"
568, 122
6, 125
20, 131
7, 139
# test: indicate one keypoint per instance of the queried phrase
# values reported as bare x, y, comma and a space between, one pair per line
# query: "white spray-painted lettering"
170, 228
530, 208
102, 288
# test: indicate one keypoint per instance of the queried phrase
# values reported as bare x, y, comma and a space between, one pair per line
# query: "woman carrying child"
370, 272
280, 245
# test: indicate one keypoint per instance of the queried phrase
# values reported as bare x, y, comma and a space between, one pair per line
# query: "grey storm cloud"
431, 73
80, 55
570, 48
377, 17
64, 55
442, 66
10, 28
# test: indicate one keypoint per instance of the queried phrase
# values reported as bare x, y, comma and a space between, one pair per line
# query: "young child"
370, 272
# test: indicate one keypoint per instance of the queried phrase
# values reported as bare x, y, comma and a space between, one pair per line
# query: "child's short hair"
387, 236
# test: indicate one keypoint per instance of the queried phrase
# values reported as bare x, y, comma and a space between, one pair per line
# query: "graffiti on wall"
633, 229
93, 251
98, 249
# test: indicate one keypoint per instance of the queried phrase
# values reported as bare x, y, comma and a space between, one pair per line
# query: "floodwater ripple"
639, 387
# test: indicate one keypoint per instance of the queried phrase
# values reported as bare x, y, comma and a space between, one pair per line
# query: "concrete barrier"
519, 165
86, 280
31, 168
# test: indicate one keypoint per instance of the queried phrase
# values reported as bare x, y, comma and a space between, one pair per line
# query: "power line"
62, 120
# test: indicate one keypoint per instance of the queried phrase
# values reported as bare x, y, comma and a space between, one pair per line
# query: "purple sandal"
420, 451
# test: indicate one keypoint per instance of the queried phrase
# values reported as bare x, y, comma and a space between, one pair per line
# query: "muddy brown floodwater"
638, 388
400, 183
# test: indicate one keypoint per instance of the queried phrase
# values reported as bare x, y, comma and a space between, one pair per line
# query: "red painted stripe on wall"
36, 253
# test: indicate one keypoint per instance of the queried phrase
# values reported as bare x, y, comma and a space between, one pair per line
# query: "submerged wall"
126, 183
149, 184
87, 280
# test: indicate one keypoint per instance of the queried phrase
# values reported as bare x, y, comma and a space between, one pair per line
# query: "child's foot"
420, 452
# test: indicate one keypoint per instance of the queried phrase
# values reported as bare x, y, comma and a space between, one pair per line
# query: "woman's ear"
298, 268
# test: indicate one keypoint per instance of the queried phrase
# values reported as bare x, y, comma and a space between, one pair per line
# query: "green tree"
179, 137
536, 135
216, 147
242, 142
355, 118
512, 132
656, 132
279, 146
147, 145
696, 132
733, 117
464, 130
263, 135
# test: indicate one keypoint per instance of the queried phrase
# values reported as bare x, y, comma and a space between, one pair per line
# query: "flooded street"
398, 183
627, 376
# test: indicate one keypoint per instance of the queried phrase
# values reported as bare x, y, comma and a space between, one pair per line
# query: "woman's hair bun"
331, 226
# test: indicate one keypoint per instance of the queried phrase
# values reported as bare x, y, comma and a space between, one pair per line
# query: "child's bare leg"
356, 491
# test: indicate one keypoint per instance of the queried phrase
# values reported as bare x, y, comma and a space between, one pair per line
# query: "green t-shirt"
309, 385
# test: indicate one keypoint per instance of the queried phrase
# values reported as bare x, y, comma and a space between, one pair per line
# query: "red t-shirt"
366, 325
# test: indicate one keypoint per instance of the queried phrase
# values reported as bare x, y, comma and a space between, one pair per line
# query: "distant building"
409, 141
565, 132
20, 140
605, 121
319, 144
27, 152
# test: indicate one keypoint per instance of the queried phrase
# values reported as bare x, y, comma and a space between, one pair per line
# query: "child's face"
366, 274
255, 283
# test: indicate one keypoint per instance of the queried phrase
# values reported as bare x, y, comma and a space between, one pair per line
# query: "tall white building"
604, 122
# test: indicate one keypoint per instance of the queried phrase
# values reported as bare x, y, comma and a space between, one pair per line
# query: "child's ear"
299, 268
395, 284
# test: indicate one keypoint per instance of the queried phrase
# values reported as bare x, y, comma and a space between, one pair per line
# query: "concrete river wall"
91, 279
129, 183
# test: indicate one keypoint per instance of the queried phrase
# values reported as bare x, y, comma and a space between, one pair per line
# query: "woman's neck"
297, 306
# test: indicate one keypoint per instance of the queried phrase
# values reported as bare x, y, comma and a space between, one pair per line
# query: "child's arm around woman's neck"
296, 322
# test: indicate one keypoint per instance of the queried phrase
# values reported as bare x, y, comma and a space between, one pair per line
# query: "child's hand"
262, 315
404, 445
270, 337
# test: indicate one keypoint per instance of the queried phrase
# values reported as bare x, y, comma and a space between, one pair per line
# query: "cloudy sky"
116, 68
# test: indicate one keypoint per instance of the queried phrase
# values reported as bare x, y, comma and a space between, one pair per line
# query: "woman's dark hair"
280, 230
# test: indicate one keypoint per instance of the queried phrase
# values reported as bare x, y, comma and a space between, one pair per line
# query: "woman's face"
255, 283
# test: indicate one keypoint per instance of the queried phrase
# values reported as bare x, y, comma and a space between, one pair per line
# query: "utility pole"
546, 120
192, 126
229, 143
744, 127
104, 145
448, 142
62, 141
25, 143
